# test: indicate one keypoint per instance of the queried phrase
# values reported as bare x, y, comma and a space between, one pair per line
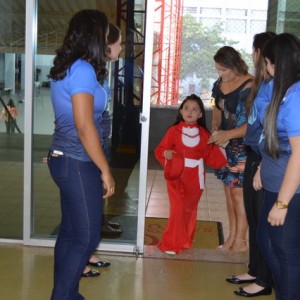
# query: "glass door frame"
30, 52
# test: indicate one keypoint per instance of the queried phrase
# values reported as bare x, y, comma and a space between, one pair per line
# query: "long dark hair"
259, 42
201, 121
230, 58
11, 103
282, 51
114, 34
85, 39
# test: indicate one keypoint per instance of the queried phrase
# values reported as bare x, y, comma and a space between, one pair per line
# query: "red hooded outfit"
189, 140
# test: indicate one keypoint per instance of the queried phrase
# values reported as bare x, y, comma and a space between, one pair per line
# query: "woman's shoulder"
82, 71
293, 91
247, 81
82, 66
217, 83
296, 86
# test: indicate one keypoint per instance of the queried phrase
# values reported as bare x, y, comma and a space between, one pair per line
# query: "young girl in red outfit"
186, 142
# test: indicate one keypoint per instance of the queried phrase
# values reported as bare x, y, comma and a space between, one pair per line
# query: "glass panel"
123, 143
12, 36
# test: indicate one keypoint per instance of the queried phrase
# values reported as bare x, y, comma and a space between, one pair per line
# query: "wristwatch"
281, 204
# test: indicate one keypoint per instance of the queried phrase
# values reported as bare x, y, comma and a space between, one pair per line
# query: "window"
209, 22
190, 10
259, 14
210, 11
236, 12
257, 26
235, 26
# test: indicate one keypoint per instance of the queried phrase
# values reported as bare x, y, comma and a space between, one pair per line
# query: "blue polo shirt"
288, 125
80, 78
254, 126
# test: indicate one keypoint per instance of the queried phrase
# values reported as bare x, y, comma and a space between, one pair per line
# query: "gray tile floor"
191, 275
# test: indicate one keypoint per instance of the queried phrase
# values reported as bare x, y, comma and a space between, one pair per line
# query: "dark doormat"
208, 234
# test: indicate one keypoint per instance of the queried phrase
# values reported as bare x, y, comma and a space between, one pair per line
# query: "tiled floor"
26, 272
212, 205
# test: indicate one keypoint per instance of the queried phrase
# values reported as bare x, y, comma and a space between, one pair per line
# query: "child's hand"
168, 154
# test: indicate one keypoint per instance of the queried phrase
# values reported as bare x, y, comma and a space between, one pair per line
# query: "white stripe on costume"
192, 163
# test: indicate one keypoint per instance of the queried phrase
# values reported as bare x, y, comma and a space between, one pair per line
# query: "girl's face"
115, 49
191, 112
225, 73
270, 67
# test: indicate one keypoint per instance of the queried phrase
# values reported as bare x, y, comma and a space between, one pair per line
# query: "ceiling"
53, 17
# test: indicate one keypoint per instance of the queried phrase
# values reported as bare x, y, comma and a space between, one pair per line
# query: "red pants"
184, 197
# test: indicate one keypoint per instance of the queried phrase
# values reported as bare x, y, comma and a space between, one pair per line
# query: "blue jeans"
253, 201
280, 246
81, 200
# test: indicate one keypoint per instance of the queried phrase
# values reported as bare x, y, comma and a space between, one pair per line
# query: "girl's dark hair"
282, 51
11, 103
259, 42
201, 121
85, 39
114, 34
230, 58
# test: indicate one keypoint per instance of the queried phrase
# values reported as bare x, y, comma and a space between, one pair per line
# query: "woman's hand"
289, 184
238, 168
277, 216
219, 138
257, 184
108, 184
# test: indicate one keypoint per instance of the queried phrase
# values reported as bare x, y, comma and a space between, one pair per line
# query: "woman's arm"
216, 119
83, 109
224, 136
290, 184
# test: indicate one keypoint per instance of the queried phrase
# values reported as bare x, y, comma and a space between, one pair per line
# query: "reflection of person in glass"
76, 159
11, 117
114, 41
109, 228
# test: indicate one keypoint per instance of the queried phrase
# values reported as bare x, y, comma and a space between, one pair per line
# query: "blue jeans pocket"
58, 166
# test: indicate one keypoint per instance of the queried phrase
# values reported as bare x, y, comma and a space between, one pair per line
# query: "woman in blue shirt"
279, 226
76, 159
258, 274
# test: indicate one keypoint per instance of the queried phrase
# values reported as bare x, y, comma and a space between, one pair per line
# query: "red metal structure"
167, 52
128, 78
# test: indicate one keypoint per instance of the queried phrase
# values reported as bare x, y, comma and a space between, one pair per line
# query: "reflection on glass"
11, 123
121, 209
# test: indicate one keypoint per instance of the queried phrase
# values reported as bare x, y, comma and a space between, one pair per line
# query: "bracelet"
281, 204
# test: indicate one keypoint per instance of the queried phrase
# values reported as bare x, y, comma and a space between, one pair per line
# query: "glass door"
12, 69
130, 126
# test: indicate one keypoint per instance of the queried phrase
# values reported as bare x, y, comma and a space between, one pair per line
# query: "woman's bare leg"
239, 242
231, 218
